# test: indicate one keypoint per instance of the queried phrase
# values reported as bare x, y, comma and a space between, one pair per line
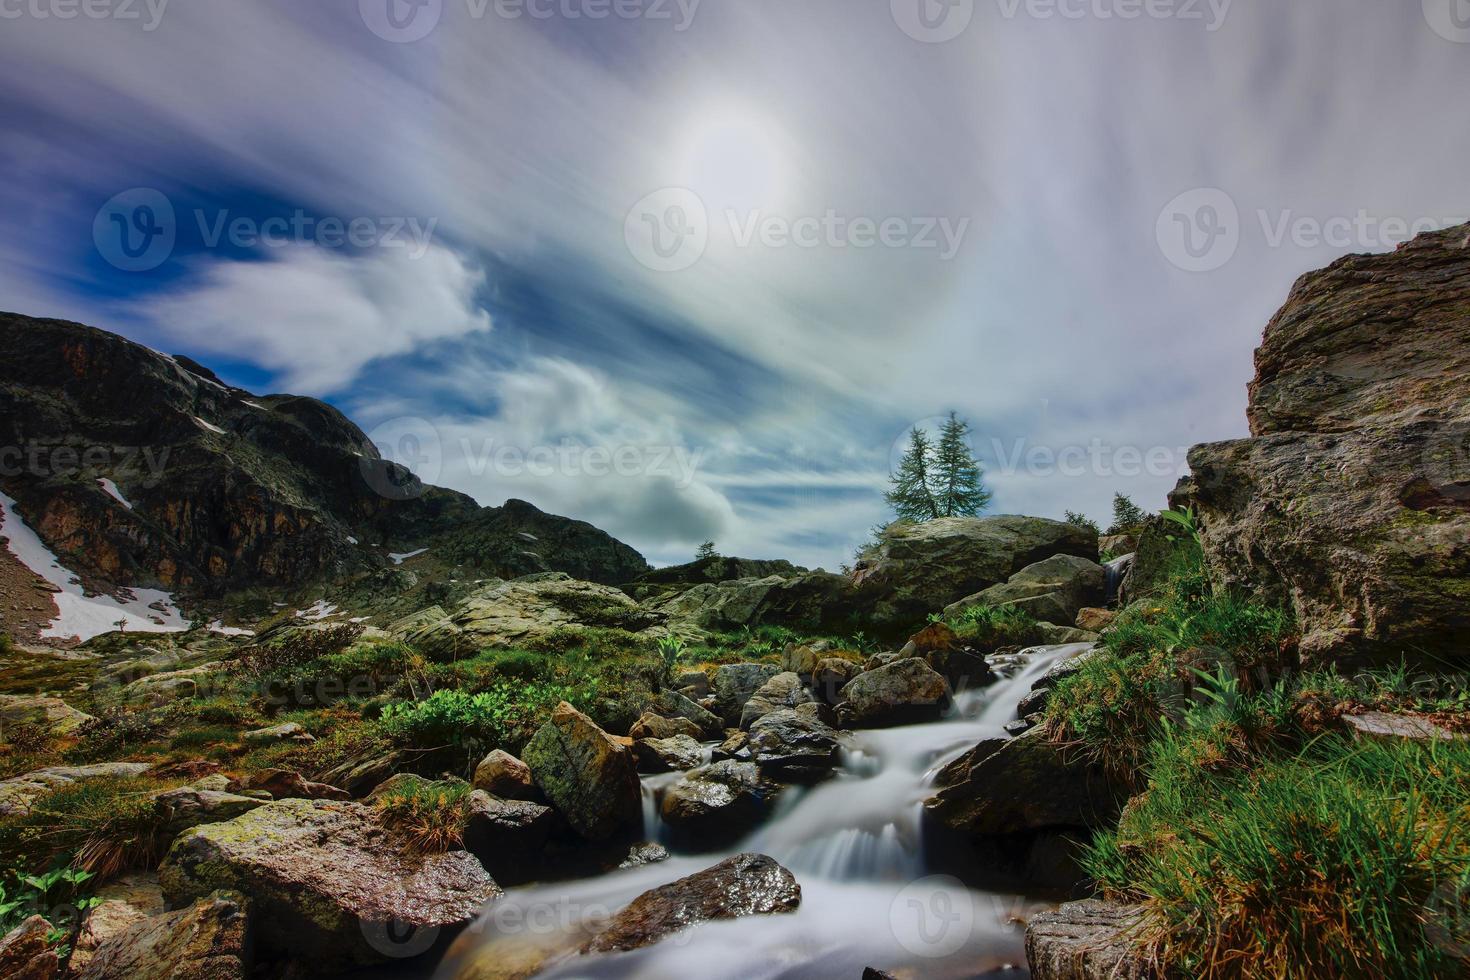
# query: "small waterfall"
1117, 569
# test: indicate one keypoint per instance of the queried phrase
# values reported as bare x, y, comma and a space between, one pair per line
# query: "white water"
853, 844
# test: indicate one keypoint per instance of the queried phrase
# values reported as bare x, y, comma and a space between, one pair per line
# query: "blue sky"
1064, 221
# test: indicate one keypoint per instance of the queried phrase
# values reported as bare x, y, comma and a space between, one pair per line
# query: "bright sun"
733, 157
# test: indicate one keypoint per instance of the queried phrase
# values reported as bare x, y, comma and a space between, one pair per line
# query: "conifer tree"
911, 497
959, 490
1128, 517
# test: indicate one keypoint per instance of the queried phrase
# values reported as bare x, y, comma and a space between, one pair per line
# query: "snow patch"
81, 615
351, 539
219, 627
255, 405
211, 428
400, 559
112, 491
320, 610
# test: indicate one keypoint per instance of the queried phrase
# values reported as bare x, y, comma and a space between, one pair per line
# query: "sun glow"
735, 157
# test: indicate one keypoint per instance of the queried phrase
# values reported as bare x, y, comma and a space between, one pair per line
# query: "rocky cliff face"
141, 469
1351, 500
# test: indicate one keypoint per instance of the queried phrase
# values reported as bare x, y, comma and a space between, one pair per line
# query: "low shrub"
468, 726
990, 627
429, 817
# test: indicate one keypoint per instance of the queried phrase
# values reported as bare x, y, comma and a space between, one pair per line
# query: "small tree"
1128, 517
911, 497
1083, 521
959, 491
706, 552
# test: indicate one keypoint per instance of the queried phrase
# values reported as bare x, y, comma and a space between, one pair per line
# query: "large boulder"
903, 692
26, 953
1087, 940
208, 940
717, 803
507, 835
917, 569
590, 778
795, 744
784, 690
121, 904
1350, 503
672, 704
804, 600
179, 809
831, 676
52, 715
674, 754
1053, 590
502, 774
650, 725
746, 884
736, 684
325, 880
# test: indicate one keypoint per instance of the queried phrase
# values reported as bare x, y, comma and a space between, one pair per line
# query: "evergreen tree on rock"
959, 489
911, 497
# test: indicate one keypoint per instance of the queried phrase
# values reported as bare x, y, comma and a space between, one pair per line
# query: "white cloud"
316, 317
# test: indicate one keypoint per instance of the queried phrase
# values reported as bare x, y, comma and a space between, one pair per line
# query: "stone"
1053, 590
507, 835
18, 793
26, 955
324, 878
289, 732
1117, 545
360, 774
1088, 940
800, 600
831, 676
1053, 635
180, 809
502, 774
1350, 502
673, 704
736, 746
799, 659
1093, 619
674, 754
904, 692
650, 725
735, 684
917, 569
122, 904
208, 940
746, 884
716, 804
784, 690
1381, 726
53, 715
283, 784
174, 685
697, 680
588, 777
794, 744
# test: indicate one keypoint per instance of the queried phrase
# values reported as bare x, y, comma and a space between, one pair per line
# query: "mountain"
139, 469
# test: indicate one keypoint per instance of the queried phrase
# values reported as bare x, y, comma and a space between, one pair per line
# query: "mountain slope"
140, 469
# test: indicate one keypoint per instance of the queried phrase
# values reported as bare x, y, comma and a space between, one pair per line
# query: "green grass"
465, 727
429, 817
991, 627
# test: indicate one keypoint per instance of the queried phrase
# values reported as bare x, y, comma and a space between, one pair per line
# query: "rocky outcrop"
1350, 503
228, 490
591, 779
673, 579
735, 685
18, 793
808, 600
917, 569
1053, 590
209, 940
502, 774
52, 715
121, 904
795, 744
180, 809
1088, 940
746, 884
904, 692
325, 880
717, 803
25, 953
784, 690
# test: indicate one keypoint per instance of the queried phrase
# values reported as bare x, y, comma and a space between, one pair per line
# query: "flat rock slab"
19, 793
1087, 940
52, 714
206, 941
1382, 726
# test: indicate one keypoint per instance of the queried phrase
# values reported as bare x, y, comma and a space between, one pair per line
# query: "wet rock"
507, 835
673, 754
26, 955
795, 745
672, 704
18, 793
717, 803
904, 692
736, 684
209, 940
784, 690
1087, 940
916, 569
324, 878
650, 725
832, 674
1019, 726
51, 714
588, 777
747, 884
502, 774
736, 746
289, 732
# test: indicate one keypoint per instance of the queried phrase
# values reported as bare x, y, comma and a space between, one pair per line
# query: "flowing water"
853, 843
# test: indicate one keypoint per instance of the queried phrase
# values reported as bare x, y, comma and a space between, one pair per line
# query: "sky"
692, 270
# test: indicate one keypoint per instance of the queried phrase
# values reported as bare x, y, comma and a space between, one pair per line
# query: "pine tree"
1083, 521
1128, 517
911, 497
959, 490
706, 551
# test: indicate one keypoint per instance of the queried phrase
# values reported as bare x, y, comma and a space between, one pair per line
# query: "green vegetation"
1128, 517
942, 480
706, 552
1082, 521
60, 895
429, 816
990, 627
